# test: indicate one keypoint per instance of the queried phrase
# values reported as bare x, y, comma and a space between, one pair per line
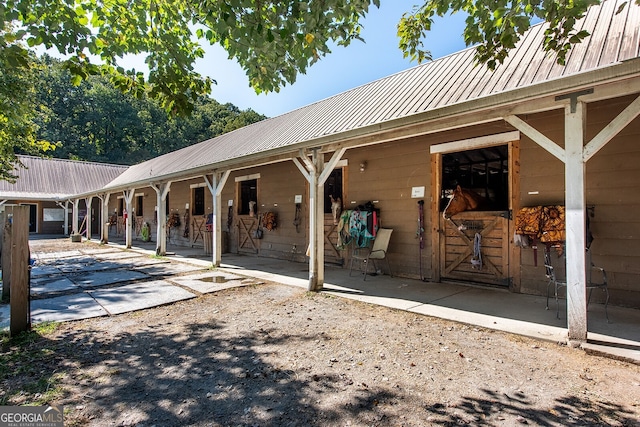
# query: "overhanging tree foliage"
495, 26
273, 41
18, 130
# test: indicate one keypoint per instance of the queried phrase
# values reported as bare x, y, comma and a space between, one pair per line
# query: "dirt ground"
273, 355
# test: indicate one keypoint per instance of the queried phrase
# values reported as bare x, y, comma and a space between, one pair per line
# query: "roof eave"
538, 97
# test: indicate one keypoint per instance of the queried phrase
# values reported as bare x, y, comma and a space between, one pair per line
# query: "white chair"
377, 252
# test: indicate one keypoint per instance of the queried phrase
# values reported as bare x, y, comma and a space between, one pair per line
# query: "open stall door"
475, 245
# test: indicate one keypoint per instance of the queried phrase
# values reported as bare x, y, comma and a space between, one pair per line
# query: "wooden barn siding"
392, 170
613, 188
278, 184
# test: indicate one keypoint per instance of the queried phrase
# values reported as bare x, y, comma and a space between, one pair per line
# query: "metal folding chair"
600, 282
377, 252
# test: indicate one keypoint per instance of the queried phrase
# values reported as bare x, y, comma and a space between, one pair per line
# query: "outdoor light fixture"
363, 166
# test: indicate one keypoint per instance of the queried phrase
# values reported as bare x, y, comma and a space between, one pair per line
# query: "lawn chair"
377, 252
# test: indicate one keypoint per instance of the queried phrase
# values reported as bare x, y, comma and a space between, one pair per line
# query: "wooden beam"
330, 165
161, 189
76, 207
105, 217
88, 201
612, 129
475, 143
514, 207
537, 137
6, 255
434, 208
128, 198
302, 169
218, 180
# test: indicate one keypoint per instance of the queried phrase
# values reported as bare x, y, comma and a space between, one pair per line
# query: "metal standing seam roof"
453, 79
56, 179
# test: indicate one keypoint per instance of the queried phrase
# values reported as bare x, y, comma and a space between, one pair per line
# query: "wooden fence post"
19, 301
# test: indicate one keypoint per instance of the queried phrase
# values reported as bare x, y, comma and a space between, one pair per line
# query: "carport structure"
447, 105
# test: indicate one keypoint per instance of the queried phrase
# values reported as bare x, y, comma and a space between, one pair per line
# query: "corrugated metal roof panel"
630, 44
454, 79
50, 179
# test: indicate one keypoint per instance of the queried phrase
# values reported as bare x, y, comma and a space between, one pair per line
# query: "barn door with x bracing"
474, 247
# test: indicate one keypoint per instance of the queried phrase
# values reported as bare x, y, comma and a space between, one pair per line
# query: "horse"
462, 200
336, 208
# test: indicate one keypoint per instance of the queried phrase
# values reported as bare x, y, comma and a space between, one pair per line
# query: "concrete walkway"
187, 275
95, 281
487, 307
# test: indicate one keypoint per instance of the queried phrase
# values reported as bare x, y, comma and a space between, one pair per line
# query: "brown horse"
462, 200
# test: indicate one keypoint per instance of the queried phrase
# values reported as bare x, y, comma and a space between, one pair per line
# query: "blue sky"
341, 70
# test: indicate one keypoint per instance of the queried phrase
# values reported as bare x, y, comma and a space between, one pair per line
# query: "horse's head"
336, 208
461, 200
457, 203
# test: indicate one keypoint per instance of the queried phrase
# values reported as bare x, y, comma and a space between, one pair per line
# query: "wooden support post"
75, 219
575, 222
104, 217
128, 198
215, 187
89, 216
20, 317
162, 190
316, 173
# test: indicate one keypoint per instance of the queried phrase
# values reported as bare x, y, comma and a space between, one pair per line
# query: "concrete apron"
487, 307
101, 281
490, 308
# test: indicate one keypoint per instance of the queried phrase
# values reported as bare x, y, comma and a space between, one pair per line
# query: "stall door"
474, 247
247, 239
331, 253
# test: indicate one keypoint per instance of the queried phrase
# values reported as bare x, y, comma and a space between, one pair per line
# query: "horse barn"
47, 187
316, 183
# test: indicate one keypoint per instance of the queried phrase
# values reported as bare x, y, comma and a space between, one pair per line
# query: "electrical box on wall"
298, 198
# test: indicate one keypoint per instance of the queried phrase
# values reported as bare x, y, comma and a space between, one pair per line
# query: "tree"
94, 121
18, 130
273, 41
495, 26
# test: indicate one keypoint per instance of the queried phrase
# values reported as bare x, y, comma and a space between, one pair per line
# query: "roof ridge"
57, 159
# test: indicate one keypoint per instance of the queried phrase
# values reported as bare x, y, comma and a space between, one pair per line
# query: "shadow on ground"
205, 374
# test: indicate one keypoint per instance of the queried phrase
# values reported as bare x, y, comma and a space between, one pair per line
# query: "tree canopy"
495, 26
94, 121
272, 41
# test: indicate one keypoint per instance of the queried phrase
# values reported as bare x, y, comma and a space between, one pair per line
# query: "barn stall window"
138, 209
247, 193
333, 188
198, 201
484, 171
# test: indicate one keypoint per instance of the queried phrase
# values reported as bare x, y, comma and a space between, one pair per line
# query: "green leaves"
272, 41
495, 26
95, 121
